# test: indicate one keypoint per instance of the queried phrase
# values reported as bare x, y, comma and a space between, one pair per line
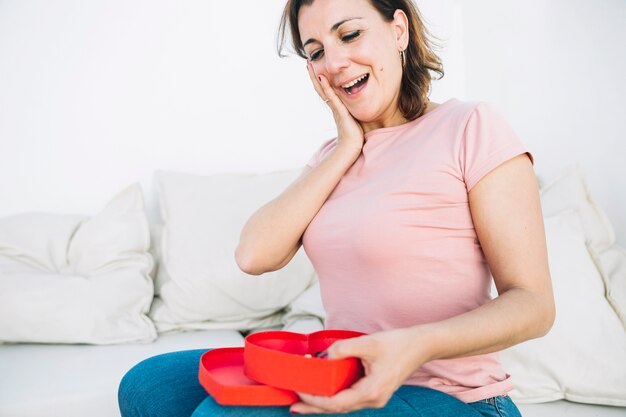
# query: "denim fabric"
497, 407
162, 386
406, 401
167, 386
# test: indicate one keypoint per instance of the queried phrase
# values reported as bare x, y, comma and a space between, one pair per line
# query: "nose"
336, 60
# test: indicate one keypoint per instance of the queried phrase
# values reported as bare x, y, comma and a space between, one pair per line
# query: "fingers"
316, 82
372, 391
323, 88
347, 400
386, 368
349, 130
331, 97
303, 408
323, 405
360, 395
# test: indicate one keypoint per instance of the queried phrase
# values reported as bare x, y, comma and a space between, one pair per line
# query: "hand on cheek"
349, 130
322, 86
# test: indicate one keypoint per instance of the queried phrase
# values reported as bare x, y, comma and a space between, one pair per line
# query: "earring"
403, 58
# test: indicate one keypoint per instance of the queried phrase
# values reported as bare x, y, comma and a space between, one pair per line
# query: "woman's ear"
400, 25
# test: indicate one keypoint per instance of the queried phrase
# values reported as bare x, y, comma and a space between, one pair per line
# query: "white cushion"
74, 279
583, 357
570, 192
306, 313
156, 232
199, 283
612, 264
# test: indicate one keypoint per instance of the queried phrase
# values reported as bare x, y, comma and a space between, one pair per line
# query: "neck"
395, 119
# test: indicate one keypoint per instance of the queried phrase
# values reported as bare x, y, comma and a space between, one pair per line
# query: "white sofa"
79, 381
57, 364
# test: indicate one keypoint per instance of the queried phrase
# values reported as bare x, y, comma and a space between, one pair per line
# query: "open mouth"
356, 85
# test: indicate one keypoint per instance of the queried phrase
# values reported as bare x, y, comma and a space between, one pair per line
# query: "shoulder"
474, 119
463, 111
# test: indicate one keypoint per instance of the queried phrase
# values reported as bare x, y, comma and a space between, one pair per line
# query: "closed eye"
317, 54
351, 36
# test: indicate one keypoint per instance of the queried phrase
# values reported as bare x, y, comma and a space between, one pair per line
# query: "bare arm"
273, 234
507, 215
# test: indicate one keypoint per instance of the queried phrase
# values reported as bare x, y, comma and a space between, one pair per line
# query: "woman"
406, 215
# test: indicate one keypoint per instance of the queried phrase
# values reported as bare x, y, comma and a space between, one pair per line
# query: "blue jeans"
167, 386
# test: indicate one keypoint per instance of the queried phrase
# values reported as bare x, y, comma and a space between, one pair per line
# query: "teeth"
353, 82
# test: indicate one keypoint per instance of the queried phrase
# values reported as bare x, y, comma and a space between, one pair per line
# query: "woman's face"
350, 43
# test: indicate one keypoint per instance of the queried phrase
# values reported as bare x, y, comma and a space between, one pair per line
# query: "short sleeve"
489, 140
322, 152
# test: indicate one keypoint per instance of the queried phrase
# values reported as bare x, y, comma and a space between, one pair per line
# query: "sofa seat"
82, 380
569, 409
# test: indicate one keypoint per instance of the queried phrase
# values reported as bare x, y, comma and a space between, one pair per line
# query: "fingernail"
319, 78
294, 412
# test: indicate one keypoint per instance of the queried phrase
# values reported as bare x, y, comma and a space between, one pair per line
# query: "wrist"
423, 342
348, 151
352, 149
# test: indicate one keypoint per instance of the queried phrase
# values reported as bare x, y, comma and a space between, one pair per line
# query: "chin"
364, 115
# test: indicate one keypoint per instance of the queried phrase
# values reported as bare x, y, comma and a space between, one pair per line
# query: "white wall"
95, 95
557, 69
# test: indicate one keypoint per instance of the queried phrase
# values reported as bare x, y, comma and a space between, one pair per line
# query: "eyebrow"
332, 29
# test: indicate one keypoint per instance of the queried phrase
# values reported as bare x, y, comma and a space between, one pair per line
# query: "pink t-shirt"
394, 244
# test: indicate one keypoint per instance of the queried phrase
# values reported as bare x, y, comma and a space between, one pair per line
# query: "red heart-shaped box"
221, 374
277, 358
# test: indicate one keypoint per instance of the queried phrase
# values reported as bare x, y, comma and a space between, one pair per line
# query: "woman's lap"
162, 386
497, 407
406, 401
167, 386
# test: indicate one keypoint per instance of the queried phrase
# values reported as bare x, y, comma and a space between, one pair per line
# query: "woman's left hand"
388, 357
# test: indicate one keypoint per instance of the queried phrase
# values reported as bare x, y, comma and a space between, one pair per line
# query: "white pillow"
199, 283
583, 357
612, 265
306, 313
156, 232
73, 279
570, 192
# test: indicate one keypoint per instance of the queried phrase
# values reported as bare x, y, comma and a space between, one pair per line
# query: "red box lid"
221, 374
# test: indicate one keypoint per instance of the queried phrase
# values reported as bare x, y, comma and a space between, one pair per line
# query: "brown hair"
420, 57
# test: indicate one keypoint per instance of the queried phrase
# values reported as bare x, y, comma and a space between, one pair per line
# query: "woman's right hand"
349, 131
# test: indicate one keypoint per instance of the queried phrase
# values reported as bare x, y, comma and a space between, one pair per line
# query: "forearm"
272, 234
515, 316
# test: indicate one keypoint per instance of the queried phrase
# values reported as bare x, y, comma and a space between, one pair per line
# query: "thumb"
357, 347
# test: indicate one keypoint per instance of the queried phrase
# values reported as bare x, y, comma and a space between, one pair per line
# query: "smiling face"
351, 44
